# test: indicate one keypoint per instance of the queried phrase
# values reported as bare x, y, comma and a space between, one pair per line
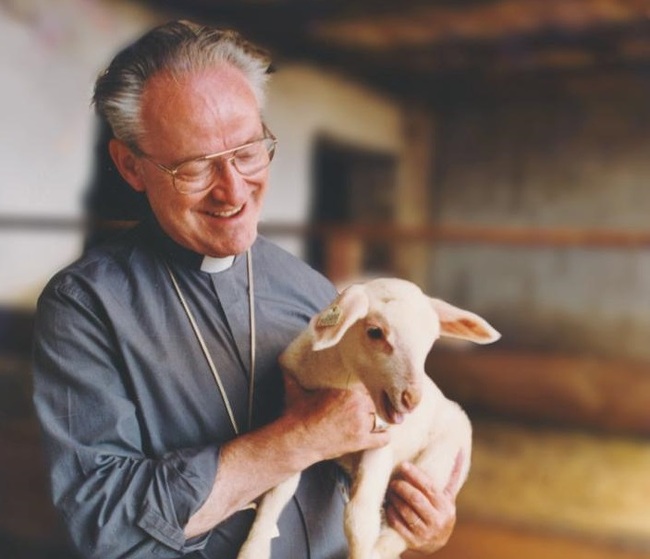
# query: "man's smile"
226, 213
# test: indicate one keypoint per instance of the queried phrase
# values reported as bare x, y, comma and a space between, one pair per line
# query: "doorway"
353, 185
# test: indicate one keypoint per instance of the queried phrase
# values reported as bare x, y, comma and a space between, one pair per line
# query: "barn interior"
497, 154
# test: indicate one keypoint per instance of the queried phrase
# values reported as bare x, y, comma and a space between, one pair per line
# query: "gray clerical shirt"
131, 414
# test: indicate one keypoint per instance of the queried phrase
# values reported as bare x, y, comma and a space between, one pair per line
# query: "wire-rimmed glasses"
199, 174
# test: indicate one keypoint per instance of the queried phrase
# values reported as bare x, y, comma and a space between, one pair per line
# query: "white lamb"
377, 335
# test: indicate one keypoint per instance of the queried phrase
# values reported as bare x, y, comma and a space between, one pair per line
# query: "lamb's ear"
459, 323
329, 326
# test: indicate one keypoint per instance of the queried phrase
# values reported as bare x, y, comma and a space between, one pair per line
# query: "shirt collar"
171, 250
214, 265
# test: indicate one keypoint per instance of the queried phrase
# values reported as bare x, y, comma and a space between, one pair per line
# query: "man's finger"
417, 478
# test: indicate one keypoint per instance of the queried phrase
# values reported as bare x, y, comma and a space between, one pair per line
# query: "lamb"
376, 336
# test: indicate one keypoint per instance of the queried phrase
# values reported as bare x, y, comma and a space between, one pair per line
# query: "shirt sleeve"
115, 500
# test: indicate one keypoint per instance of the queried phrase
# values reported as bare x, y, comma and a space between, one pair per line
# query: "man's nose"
228, 184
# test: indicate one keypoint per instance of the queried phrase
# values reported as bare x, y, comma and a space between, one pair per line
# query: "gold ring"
378, 424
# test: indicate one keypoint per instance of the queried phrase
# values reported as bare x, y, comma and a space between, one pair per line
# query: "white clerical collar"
213, 265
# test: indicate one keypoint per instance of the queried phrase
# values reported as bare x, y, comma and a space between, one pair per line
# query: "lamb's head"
383, 331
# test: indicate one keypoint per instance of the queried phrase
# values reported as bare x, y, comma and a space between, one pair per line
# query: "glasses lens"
200, 174
195, 176
252, 159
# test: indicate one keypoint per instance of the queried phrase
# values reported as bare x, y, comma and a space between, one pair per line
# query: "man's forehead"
200, 111
198, 87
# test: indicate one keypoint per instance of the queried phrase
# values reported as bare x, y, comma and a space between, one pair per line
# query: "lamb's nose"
410, 398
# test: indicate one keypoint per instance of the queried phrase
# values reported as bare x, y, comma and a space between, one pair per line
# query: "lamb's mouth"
389, 412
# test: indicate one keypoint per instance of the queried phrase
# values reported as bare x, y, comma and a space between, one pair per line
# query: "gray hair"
177, 47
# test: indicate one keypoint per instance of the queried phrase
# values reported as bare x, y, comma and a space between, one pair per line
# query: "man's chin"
232, 247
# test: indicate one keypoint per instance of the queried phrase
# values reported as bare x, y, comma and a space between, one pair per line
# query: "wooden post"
343, 257
413, 187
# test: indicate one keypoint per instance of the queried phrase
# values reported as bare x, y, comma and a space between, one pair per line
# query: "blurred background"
496, 152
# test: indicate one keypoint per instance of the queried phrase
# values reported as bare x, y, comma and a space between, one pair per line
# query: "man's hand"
424, 517
335, 422
316, 425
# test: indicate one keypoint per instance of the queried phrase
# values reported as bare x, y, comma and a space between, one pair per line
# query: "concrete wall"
306, 102
50, 53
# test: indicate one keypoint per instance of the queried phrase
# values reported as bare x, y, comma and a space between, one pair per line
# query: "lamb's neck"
325, 369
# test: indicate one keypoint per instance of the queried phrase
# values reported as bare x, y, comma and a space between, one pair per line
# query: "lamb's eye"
375, 333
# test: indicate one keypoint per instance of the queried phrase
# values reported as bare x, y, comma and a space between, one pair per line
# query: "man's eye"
247, 154
194, 170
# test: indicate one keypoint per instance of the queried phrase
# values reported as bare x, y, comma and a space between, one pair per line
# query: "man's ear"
127, 163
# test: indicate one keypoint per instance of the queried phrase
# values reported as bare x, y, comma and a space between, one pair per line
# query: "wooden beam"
471, 234
588, 392
560, 237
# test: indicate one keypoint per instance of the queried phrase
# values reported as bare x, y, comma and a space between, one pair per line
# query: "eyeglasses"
199, 174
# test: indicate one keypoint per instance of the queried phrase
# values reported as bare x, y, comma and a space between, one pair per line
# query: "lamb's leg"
390, 544
265, 526
363, 512
439, 465
439, 460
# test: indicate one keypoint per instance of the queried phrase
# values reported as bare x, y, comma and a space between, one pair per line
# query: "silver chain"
206, 352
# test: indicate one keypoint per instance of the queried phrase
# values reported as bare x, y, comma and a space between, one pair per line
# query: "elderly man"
155, 362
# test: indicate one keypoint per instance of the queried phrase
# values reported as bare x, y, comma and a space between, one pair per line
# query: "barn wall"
580, 160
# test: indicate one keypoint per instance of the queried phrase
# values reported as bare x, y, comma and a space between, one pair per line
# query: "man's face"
205, 112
